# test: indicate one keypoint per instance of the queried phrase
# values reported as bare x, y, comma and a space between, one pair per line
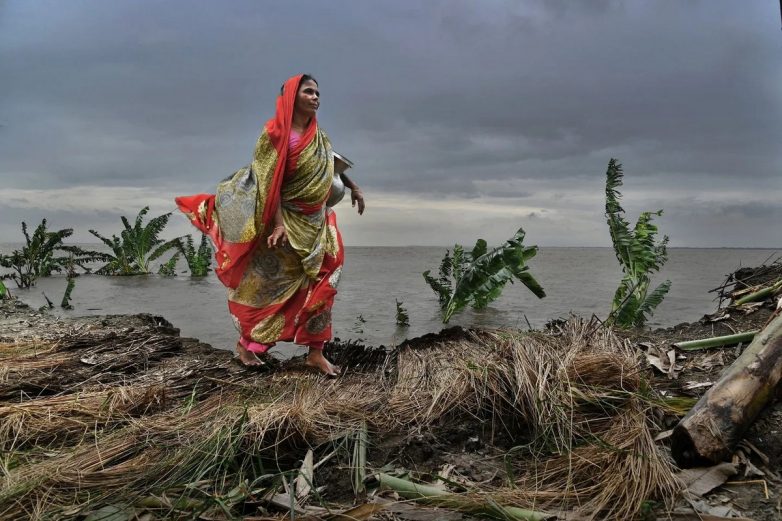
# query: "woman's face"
308, 98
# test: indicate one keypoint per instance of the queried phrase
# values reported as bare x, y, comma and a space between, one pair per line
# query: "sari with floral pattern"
283, 293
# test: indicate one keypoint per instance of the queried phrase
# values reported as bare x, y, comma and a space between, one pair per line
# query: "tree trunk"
708, 433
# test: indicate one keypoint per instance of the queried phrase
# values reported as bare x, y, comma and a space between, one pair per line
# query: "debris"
705, 363
717, 422
665, 362
359, 513
689, 386
719, 316
694, 516
718, 341
438, 497
752, 482
760, 294
303, 483
360, 460
701, 480
746, 444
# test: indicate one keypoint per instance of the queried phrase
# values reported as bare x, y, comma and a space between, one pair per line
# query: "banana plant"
197, 260
168, 268
478, 277
136, 246
40, 256
639, 254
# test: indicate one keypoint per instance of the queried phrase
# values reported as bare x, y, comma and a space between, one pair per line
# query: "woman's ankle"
255, 347
316, 346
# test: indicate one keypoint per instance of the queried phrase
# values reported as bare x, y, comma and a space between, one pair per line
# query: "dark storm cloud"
431, 99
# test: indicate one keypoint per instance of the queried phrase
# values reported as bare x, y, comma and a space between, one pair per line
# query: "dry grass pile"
56, 420
91, 357
575, 398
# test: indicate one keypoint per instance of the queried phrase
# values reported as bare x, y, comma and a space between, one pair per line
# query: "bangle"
280, 226
356, 189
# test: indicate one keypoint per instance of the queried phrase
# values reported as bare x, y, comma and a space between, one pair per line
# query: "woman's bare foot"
316, 359
247, 358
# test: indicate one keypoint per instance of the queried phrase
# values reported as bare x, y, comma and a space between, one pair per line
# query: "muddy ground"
469, 450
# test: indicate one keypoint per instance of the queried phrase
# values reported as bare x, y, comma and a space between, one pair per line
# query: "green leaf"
136, 246
66, 298
402, 318
197, 261
168, 268
443, 289
647, 307
37, 258
479, 249
639, 254
477, 278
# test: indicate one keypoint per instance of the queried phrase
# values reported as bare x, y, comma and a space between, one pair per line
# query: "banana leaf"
39, 255
197, 260
137, 245
483, 277
639, 253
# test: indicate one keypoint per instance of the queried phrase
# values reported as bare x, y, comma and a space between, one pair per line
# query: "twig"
751, 482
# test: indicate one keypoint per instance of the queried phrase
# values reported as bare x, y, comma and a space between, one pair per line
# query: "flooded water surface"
576, 280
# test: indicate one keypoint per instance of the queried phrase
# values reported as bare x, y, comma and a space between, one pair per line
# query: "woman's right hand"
278, 236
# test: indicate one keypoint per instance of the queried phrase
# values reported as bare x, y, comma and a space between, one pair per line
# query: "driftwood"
708, 433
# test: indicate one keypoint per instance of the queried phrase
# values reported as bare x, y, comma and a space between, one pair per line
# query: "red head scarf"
279, 130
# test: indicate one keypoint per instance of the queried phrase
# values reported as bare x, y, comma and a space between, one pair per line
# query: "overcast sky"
465, 119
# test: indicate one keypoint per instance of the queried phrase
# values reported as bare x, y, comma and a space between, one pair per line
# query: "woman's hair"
304, 77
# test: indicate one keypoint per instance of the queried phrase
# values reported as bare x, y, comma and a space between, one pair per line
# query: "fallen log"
708, 433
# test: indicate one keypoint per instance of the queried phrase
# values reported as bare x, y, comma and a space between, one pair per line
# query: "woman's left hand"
278, 235
357, 197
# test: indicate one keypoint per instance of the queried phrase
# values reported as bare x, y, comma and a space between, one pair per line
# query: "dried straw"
578, 394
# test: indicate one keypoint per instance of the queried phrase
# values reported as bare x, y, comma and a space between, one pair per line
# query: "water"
577, 280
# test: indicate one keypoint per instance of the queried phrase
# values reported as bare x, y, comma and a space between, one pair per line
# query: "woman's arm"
278, 233
356, 196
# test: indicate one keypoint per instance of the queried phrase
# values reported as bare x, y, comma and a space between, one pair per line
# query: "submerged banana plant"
198, 261
639, 254
478, 277
402, 318
168, 268
136, 245
40, 256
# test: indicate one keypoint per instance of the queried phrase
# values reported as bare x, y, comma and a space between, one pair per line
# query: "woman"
278, 249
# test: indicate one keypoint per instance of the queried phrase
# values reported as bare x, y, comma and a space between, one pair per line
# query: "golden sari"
283, 293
